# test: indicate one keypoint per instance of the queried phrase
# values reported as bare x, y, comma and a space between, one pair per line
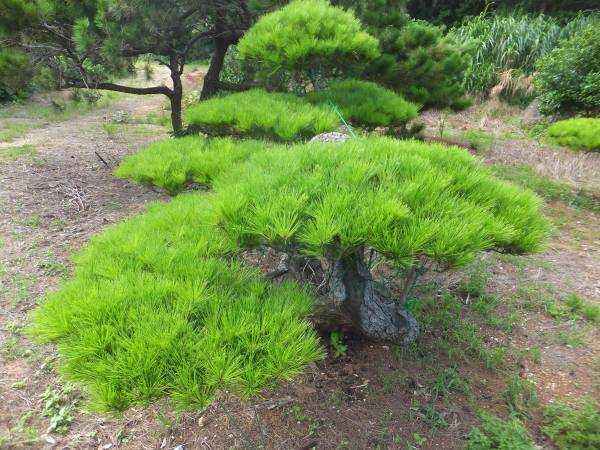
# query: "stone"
334, 136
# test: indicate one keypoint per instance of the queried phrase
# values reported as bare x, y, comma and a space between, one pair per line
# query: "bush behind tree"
416, 59
568, 78
504, 49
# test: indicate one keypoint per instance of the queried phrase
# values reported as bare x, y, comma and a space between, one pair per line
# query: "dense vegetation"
568, 78
578, 134
505, 49
261, 114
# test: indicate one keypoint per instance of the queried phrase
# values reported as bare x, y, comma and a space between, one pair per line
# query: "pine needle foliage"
305, 36
260, 114
366, 104
406, 199
160, 305
154, 309
578, 134
173, 163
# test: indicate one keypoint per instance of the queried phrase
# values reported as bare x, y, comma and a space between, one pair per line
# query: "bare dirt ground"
52, 199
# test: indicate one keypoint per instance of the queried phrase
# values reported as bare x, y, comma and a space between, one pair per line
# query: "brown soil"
374, 396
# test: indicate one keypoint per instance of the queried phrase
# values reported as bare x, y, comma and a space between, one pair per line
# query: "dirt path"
61, 191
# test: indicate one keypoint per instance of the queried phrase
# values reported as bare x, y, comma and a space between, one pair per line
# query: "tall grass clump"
578, 134
366, 104
260, 114
173, 163
154, 309
504, 49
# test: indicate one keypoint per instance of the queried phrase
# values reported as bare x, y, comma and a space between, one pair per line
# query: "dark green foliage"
366, 104
261, 114
573, 428
568, 78
450, 12
578, 134
496, 433
417, 60
15, 74
155, 310
306, 38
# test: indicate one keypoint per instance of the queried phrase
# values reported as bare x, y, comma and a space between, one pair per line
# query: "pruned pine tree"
89, 43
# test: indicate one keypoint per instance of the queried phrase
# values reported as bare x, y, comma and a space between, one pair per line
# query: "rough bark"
176, 95
373, 313
211, 80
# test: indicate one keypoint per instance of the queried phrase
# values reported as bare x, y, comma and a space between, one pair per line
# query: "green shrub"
573, 428
260, 114
153, 309
158, 305
173, 163
307, 37
367, 104
568, 78
496, 433
578, 134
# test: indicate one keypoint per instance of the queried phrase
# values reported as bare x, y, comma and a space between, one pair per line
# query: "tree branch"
126, 89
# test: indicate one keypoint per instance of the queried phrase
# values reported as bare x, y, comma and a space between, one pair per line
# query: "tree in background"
416, 59
306, 41
89, 43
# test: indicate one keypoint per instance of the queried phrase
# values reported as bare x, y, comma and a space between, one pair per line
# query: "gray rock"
334, 136
532, 114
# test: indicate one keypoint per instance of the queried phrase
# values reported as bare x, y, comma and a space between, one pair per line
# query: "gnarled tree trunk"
373, 313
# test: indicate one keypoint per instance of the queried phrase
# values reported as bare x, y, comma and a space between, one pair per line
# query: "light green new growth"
578, 134
154, 310
406, 199
158, 305
307, 34
173, 163
260, 114
367, 104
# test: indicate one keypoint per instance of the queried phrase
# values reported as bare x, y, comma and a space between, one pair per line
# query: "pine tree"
89, 43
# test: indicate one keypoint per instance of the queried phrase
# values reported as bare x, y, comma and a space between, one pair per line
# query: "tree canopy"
91, 43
